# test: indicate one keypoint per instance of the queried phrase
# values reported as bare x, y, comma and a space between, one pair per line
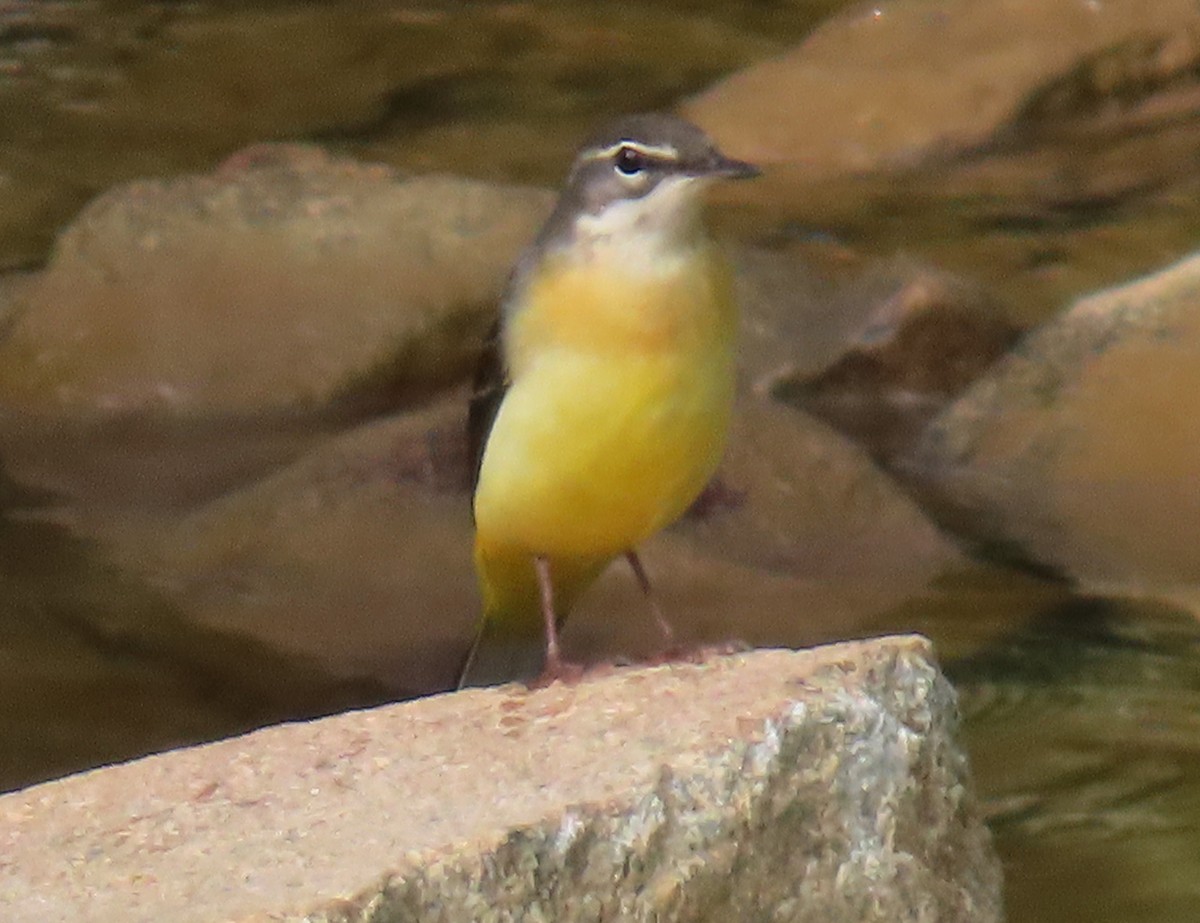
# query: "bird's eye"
630, 161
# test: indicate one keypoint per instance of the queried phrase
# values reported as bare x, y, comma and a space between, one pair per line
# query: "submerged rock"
823, 785
1080, 450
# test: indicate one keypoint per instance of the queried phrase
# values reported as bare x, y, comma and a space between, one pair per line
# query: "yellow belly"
615, 419
589, 456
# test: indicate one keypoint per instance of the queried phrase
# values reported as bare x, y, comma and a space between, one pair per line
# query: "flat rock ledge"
821, 785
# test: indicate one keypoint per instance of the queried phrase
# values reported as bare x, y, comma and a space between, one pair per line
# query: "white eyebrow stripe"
653, 151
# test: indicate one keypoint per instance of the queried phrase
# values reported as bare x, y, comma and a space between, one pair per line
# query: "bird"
603, 397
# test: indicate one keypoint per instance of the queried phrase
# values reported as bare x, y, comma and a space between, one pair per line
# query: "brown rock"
999, 95
357, 556
795, 318
1041, 147
493, 91
927, 337
283, 283
12, 286
803, 500
341, 556
820, 785
131, 92
1080, 449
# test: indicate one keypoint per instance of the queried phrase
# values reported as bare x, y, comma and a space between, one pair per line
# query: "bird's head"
641, 176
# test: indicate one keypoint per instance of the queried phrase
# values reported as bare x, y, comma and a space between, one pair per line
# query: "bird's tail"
510, 641
498, 656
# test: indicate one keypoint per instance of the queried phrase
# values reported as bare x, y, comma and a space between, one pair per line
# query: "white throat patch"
648, 234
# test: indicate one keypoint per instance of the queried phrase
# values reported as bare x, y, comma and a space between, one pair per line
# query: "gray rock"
821, 785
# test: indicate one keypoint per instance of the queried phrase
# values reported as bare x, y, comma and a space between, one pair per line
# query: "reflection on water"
1083, 720
1084, 730
1083, 726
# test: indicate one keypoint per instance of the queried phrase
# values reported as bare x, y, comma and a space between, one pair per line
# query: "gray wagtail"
603, 401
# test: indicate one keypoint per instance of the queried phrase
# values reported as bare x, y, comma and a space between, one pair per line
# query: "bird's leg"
673, 654
550, 617
643, 580
555, 667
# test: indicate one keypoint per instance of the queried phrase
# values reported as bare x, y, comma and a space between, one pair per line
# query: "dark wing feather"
487, 392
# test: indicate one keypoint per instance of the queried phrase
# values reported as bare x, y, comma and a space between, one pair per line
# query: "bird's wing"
487, 393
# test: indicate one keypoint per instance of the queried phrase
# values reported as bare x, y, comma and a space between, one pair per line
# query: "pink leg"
549, 616
643, 580
555, 667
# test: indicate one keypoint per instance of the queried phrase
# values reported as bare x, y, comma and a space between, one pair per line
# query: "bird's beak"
728, 168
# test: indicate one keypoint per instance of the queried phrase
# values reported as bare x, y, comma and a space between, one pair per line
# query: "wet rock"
101, 668
357, 555
803, 500
137, 91
1052, 103
927, 337
820, 785
1079, 450
285, 282
345, 555
12, 286
873, 347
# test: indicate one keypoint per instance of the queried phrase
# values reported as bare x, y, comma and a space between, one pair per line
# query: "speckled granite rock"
819, 785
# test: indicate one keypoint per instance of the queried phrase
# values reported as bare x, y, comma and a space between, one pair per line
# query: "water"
1084, 730
1081, 714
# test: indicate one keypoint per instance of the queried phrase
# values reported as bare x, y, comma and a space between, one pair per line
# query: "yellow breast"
618, 408
599, 306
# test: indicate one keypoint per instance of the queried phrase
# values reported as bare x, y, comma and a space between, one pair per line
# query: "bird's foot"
559, 671
698, 653
569, 672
